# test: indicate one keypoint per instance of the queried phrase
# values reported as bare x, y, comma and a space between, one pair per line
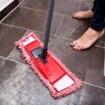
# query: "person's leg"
94, 5
96, 29
98, 20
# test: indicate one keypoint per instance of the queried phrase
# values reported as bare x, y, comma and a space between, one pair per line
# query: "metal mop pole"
48, 27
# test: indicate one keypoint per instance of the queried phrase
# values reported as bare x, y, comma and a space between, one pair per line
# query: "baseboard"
4, 11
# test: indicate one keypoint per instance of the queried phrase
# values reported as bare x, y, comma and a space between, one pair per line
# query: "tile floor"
19, 85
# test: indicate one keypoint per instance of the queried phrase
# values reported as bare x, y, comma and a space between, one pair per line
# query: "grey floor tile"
31, 19
8, 36
5, 70
95, 72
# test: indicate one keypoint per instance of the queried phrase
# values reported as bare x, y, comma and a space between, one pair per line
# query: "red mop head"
54, 74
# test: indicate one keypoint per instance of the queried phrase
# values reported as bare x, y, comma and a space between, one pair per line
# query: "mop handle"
48, 27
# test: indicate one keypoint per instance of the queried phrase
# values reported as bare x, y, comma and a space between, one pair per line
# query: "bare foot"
83, 14
87, 40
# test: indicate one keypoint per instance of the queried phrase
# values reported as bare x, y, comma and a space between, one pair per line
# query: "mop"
54, 74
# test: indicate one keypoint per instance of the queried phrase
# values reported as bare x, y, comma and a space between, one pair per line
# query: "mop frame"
78, 83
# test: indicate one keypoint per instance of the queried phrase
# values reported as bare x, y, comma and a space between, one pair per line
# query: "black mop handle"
48, 27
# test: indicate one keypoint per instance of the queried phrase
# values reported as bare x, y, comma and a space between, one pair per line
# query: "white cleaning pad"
28, 41
63, 83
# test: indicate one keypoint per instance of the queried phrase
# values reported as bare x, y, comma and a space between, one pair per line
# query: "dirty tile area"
19, 85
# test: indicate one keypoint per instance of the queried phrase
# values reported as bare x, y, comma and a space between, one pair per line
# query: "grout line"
10, 53
36, 31
22, 27
33, 9
13, 25
11, 11
63, 37
94, 85
50, 34
77, 11
59, 24
21, 1
15, 47
79, 6
11, 60
43, 10
100, 46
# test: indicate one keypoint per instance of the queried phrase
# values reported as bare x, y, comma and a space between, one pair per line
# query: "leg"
96, 29
94, 5
98, 20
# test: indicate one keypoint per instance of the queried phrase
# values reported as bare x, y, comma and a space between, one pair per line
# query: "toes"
84, 47
73, 43
78, 47
75, 15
